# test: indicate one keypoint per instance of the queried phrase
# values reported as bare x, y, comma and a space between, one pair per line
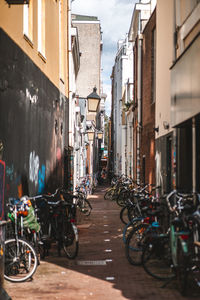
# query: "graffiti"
159, 178
10, 172
33, 99
33, 167
20, 190
58, 154
2, 183
41, 179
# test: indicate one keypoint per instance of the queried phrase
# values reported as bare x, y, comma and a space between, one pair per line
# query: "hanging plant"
127, 105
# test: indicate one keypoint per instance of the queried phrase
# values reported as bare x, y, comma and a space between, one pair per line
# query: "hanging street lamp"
90, 135
100, 135
93, 101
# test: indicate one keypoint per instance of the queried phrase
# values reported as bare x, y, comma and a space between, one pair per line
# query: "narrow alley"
101, 270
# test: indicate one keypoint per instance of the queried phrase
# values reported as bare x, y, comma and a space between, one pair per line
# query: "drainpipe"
175, 32
193, 155
139, 95
125, 150
130, 148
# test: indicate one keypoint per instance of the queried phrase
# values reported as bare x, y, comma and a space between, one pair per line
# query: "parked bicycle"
176, 254
57, 216
82, 202
21, 259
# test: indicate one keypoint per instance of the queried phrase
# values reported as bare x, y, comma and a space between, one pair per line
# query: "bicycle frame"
176, 235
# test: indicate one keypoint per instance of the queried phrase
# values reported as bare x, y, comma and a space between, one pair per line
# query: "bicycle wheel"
124, 215
133, 212
182, 269
121, 198
86, 208
108, 194
194, 259
135, 244
156, 258
70, 240
130, 227
20, 260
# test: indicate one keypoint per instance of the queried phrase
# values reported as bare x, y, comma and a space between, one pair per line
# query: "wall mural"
159, 177
41, 179
34, 164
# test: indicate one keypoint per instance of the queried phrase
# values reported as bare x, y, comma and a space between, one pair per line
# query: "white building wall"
164, 59
123, 72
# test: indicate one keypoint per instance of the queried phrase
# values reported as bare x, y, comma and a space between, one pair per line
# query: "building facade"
185, 93
89, 76
33, 95
33, 98
121, 79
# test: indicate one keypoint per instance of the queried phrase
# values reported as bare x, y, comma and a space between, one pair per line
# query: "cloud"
114, 15
115, 18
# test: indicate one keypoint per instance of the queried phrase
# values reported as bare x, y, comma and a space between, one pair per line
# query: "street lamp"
93, 101
100, 135
90, 136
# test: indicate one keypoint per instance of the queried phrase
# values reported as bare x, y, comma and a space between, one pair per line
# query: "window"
41, 27
28, 20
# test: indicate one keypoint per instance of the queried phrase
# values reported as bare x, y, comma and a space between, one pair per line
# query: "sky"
115, 18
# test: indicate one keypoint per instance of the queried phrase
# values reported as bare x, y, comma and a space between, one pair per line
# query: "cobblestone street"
101, 270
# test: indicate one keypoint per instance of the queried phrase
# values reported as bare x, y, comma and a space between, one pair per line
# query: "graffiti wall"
32, 117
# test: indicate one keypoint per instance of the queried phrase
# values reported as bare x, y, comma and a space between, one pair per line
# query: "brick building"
147, 150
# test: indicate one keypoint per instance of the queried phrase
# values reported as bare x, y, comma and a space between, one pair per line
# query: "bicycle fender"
75, 231
184, 245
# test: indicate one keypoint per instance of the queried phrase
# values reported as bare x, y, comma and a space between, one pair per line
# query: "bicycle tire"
133, 212
19, 267
87, 208
182, 269
124, 215
129, 227
194, 259
108, 194
70, 240
156, 259
121, 199
135, 244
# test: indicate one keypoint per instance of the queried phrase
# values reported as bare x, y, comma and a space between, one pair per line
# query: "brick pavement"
101, 270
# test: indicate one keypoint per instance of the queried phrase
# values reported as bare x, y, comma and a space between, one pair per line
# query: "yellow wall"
164, 59
11, 21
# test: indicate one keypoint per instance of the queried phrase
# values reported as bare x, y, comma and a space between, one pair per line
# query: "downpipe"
139, 96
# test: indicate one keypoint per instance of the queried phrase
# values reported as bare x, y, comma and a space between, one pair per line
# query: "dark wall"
184, 157
147, 150
33, 115
164, 162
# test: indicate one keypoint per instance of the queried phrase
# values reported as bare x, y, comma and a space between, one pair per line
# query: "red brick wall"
148, 107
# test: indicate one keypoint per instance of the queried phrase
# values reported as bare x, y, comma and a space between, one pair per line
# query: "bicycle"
171, 255
57, 218
20, 257
143, 229
82, 203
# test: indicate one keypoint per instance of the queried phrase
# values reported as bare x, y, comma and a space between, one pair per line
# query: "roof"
84, 18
